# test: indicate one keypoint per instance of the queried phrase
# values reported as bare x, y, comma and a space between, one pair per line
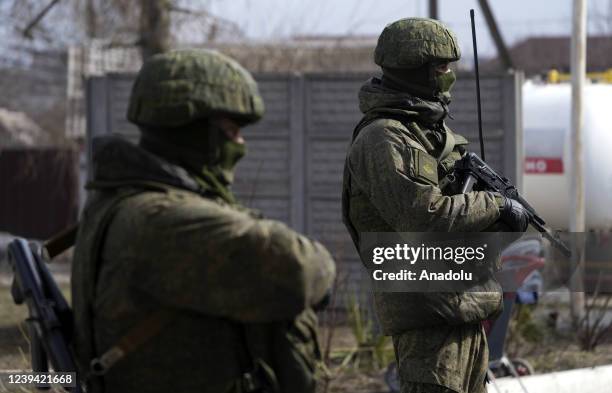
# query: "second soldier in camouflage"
395, 180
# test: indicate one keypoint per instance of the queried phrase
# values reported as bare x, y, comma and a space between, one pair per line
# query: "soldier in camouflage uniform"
175, 286
395, 180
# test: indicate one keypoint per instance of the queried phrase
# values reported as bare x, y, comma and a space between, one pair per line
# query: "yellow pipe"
554, 76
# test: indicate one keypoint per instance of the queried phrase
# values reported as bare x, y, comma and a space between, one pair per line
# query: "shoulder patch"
425, 167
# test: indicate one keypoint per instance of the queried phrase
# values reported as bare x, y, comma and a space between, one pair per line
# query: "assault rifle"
472, 171
50, 317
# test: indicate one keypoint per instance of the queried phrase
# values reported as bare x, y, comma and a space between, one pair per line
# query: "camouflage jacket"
239, 288
392, 184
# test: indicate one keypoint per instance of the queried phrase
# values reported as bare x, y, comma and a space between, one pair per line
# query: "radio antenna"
482, 151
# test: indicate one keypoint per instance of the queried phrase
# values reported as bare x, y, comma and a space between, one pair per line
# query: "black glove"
514, 215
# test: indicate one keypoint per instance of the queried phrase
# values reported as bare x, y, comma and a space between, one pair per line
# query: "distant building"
335, 54
303, 54
538, 55
310, 53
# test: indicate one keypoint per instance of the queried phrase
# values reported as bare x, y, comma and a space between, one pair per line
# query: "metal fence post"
298, 153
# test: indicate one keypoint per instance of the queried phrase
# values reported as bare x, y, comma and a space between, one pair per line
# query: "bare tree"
600, 17
154, 31
58, 23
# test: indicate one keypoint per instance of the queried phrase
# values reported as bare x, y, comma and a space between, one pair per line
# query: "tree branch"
27, 32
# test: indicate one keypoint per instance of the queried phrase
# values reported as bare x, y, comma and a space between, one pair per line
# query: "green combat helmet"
409, 50
176, 88
413, 42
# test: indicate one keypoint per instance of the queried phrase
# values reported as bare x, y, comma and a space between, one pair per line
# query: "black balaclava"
424, 82
203, 149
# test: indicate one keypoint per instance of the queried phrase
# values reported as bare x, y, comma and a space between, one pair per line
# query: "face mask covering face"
444, 84
230, 152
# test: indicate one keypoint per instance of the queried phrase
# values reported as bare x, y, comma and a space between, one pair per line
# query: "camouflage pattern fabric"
411, 387
459, 365
376, 100
176, 88
413, 42
386, 178
241, 286
389, 186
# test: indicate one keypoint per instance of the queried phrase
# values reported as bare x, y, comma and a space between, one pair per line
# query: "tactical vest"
426, 155
401, 311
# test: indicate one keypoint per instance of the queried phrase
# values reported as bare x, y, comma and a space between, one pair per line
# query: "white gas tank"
546, 124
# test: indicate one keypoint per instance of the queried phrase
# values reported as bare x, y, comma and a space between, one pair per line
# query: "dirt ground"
552, 353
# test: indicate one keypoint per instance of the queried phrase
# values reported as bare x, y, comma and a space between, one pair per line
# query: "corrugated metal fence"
293, 171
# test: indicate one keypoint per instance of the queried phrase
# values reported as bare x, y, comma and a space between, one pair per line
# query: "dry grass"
13, 343
552, 349
553, 354
570, 356
14, 347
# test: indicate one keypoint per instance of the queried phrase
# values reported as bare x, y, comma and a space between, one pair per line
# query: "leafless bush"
593, 327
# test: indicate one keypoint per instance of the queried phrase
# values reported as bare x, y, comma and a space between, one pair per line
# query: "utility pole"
433, 9
577, 187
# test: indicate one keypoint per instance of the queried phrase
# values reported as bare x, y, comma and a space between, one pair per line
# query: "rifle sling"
256, 375
60, 242
132, 340
147, 328
449, 145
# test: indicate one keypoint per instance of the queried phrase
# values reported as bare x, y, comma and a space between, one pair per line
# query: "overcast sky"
517, 19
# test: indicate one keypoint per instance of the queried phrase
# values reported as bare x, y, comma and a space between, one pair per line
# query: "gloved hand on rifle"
513, 214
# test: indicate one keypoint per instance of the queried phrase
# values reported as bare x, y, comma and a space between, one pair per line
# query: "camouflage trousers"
442, 359
425, 388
